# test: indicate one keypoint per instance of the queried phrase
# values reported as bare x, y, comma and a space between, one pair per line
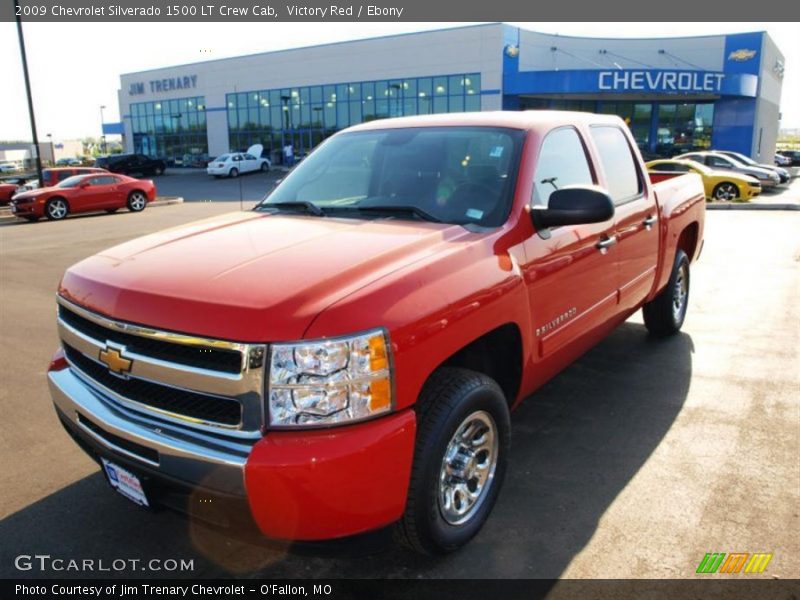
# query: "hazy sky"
75, 68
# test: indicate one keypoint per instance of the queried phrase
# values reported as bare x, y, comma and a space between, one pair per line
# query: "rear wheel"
664, 314
726, 191
234, 172
460, 457
159, 170
56, 209
137, 201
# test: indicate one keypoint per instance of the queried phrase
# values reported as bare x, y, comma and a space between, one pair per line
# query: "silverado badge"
116, 363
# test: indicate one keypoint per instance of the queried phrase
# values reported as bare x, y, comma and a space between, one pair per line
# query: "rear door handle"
649, 221
606, 243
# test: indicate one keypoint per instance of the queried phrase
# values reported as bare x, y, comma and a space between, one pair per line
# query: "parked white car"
234, 164
7, 168
783, 161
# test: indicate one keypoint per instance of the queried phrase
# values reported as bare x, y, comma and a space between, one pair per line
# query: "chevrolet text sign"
660, 81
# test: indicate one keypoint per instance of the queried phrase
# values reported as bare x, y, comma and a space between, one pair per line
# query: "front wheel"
56, 209
460, 457
664, 314
726, 191
264, 167
137, 202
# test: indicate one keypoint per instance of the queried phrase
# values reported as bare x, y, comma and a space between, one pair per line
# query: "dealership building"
676, 94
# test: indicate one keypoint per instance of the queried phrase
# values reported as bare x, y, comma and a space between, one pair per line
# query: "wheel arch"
497, 354
688, 240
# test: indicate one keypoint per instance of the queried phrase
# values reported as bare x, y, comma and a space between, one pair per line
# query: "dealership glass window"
174, 130
306, 114
684, 127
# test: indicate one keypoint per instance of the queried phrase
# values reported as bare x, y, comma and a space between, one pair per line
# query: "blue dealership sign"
658, 81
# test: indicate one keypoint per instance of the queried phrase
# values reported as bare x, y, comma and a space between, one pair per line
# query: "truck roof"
525, 119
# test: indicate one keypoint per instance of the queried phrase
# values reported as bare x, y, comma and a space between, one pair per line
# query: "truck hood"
247, 277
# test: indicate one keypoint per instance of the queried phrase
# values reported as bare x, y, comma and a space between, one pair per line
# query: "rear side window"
562, 162
663, 167
622, 176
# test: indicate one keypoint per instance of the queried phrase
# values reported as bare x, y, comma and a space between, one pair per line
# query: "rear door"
636, 214
569, 270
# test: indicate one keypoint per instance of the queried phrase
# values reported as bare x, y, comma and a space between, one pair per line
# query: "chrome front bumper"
195, 458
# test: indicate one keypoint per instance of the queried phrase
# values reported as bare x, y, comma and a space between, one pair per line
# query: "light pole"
52, 150
24, 58
102, 133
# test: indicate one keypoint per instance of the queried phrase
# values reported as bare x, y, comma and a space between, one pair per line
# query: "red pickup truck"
346, 355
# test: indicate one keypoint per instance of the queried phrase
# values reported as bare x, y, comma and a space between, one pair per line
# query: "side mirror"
574, 205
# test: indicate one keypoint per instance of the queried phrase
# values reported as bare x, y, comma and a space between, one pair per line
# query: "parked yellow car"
719, 185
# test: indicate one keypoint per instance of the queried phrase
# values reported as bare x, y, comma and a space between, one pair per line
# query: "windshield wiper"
395, 209
304, 205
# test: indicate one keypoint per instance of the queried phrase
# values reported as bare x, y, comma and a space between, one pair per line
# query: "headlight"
330, 382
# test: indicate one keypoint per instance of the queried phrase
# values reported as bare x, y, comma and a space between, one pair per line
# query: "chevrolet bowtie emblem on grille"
116, 363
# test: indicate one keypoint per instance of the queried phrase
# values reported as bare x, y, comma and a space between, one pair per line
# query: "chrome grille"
197, 382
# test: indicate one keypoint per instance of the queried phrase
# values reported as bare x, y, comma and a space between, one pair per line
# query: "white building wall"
444, 52
765, 130
572, 53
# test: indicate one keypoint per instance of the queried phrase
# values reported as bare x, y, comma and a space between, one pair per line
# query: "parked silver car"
783, 174
768, 179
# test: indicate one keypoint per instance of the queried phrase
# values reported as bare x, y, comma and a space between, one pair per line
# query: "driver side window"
562, 162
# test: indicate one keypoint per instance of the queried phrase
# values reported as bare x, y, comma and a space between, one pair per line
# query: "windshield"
449, 174
743, 159
71, 182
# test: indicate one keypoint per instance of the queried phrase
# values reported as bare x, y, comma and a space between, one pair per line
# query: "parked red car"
6, 191
84, 193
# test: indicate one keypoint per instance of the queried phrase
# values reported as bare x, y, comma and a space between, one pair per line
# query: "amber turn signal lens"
379, 395
378, 359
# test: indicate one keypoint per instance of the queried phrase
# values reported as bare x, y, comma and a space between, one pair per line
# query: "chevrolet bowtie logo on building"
116, 363
741, 55
714, 562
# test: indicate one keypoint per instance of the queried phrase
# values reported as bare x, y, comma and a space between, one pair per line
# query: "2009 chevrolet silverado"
345, 356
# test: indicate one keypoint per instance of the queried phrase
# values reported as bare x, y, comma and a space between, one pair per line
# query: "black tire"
234, 172
664, 314
265, 167
158, 170
137, 201
452, 401
725, 191
56, 209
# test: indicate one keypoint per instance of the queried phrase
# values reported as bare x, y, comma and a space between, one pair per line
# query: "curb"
5, 213
746, 206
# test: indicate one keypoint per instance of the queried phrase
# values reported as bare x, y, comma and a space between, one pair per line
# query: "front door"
569, 270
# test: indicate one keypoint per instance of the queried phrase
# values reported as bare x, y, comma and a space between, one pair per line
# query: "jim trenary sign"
167, 84
660, 81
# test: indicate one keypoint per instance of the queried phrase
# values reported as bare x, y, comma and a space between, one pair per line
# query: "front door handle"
649, 221
606, 243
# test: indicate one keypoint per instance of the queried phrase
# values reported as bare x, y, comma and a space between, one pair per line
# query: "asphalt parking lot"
196, 185
633, 463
